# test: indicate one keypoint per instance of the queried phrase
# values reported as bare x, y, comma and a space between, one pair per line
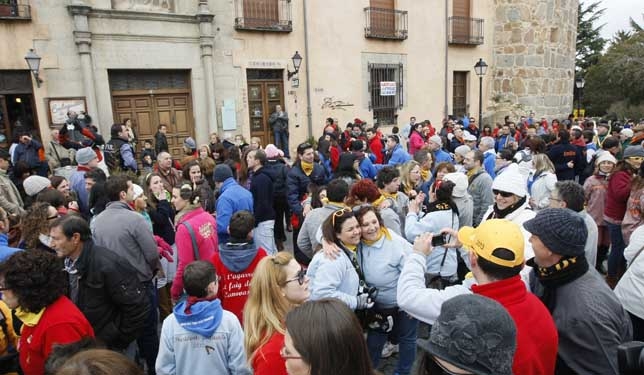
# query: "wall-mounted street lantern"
297, 61
33, 61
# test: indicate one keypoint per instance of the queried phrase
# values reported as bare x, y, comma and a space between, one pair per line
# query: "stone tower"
534, 58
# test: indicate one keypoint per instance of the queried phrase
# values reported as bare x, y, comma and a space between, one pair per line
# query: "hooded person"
235, 262
201, 322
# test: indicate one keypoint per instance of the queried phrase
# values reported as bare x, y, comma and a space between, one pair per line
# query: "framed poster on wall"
58, 108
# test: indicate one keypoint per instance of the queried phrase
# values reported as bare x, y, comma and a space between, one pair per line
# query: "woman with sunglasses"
381, 258
619, 189
338, 277
324, 338
511, 203
279, 284
35, 227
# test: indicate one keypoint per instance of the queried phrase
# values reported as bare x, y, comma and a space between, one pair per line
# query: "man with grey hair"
169, 176
459, 154
487, 148
569, 194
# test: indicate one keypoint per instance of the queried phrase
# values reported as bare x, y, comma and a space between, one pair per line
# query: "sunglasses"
504, 194
339, 213
636, 158
300, 277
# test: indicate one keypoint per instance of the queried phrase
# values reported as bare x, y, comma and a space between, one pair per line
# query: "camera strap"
354, 260
445, 252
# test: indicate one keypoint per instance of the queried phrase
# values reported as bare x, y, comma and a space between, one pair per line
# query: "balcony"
465, 31
263, 15
12, 11
385, 23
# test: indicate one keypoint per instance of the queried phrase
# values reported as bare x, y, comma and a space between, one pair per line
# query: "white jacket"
520, 216
630, 289
541, 188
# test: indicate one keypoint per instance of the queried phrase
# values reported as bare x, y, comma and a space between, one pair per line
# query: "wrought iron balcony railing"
465, 30
385, 23
263, 15
13, 11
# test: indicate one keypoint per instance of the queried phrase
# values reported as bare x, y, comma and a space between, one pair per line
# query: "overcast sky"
617, 13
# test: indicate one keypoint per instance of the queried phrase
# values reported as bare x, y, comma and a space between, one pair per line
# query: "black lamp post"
580, 83
480, 68
297, 61
33, 61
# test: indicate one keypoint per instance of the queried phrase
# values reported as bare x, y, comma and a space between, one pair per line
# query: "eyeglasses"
504, 194
300, 276
53, 217
304, 146
286, 355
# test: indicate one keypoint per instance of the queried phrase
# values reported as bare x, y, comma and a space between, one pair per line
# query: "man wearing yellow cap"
496, 259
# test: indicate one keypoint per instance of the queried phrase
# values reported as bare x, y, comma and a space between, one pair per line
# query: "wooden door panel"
263, 97
461, 25
261, 13
147, 112
382, 21
461, 8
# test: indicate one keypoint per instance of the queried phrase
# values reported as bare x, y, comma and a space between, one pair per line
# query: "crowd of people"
518, 245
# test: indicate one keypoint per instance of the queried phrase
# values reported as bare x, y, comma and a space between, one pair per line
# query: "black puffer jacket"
110, 296
279, 171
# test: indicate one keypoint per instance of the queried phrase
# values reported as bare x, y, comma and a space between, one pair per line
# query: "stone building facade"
221, 66
534, 57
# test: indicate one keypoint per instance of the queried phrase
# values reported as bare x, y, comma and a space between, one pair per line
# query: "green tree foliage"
636, 26
589, 41
617, 76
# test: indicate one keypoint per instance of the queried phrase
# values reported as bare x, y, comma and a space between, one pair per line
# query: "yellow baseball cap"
493, 234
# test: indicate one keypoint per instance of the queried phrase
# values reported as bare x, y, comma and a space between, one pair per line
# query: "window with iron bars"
385, 106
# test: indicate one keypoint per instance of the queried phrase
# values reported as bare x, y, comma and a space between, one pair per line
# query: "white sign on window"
387, 88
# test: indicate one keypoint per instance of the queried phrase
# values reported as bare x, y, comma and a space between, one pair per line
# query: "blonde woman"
255, 143
541, 182
278, 285
410, 179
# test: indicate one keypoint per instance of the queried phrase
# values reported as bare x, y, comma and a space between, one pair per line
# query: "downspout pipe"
307, 59
446, 107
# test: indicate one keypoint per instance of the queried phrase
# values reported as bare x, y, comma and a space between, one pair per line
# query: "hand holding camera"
364, 301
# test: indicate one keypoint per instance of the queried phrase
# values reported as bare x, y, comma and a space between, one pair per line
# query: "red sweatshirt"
619, 189
61, 323
375, 145
267, 360
235, 286
536, 331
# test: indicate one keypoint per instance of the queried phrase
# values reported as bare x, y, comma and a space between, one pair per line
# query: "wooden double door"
147, 112
263, 96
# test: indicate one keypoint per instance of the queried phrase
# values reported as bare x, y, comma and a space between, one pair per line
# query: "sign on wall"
58, 108
387, 88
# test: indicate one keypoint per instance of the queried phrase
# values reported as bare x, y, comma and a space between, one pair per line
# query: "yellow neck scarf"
471, 172
378, 201
307, 168
28, 318
383, 232
424, 174
339, 204
393, 196
350, 247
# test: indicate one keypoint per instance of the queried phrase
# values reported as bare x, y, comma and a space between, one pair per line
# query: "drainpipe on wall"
307, 58
446, 108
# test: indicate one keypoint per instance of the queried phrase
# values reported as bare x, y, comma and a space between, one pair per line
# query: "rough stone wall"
534, 58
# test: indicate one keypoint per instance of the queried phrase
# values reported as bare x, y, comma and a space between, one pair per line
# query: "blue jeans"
405, 328
616, 261
281, 141
149, 340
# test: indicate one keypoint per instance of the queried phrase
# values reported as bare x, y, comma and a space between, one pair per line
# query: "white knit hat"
460, 179
511, 181
605, 156
35, 184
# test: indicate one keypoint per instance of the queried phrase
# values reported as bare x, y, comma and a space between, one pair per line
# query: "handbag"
10, 361
193, 238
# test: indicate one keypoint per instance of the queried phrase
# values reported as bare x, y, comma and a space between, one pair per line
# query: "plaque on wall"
165, 6
58, 108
